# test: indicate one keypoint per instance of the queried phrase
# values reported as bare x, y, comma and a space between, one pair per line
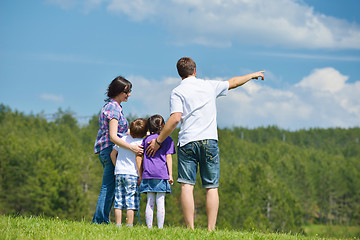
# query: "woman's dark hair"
185, 67
155, 124
117, 86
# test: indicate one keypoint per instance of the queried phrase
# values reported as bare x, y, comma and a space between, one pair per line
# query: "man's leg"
209, 165
212, 206
187, 204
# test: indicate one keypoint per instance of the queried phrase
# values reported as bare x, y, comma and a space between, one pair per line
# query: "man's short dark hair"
185, 67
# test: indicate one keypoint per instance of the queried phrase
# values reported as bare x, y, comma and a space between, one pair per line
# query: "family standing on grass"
138, 158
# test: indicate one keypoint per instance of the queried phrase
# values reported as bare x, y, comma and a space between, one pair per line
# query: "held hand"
171, 180
152, 148
139, 180
259, 74
137, 149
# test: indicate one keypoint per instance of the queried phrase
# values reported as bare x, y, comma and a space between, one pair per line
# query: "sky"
62, 54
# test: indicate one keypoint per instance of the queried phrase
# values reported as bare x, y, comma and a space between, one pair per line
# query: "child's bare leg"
129, 217
118, 213
212, 206
187, 203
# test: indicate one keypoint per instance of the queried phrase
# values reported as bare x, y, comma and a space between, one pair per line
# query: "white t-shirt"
125, 161
196, 100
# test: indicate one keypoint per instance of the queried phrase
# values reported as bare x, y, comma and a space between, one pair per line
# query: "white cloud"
325, 79
252, 87
287, 23
267, 106
91, 4
322, 99
311, 56
52, 97
220, 23
137, 10
307, 104
150, 97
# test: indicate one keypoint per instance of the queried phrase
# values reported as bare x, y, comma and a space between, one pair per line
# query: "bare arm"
169, 166
238, 81
138, 161
113, 126
169, 127
113, 156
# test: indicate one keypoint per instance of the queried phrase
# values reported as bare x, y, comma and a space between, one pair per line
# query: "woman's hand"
137, 149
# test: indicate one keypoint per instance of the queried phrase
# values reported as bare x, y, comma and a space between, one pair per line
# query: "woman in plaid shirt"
112, 126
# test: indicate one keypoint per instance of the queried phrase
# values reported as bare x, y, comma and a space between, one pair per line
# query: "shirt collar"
189, 79
115, 102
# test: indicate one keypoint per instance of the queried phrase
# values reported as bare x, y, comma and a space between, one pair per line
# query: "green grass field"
352, 232
45, 228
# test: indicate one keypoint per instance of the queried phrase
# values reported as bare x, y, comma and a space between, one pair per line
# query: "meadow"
52, 228
272, 181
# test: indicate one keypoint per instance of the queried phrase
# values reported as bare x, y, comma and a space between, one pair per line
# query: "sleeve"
176, 104
170, 147
112, 112
144, 142
221, 88
116, 147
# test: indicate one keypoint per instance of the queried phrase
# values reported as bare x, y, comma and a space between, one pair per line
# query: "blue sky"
64, 53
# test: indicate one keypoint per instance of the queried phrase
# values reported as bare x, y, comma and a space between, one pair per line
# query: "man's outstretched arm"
238, 81
169, 127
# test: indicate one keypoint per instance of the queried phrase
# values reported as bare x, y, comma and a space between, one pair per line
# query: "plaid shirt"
110, 110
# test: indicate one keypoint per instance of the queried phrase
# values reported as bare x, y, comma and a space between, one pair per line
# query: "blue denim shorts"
127, 194
204, 153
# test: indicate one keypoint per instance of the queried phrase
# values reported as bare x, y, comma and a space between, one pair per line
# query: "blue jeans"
106, 196
203, 153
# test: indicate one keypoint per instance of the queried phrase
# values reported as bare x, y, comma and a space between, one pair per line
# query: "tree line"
270, 178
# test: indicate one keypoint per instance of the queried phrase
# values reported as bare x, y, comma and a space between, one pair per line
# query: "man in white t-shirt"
193, 103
